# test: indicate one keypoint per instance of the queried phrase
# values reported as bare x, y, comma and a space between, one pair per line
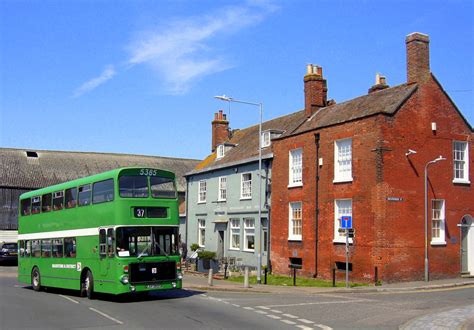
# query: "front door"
220, 244
467, 246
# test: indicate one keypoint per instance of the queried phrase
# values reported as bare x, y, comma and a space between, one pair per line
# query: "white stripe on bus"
61, 233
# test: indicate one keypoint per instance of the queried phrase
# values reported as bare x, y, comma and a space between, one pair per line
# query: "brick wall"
389, 234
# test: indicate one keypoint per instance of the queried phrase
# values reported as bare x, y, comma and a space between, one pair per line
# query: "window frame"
249, 231
87, 192
291, 221
242, 182
44, 203
222, 189
234, 231
202, 192
465, 165
202, 232
59, 195
266, 139
441, 240
339, 171
220, 152
109, 194
292, 178
337, 220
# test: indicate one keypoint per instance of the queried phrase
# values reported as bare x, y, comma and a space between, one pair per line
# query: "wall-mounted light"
433, 126
410, 152
320, 162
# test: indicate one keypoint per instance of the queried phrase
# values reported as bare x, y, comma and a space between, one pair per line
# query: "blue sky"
139, 76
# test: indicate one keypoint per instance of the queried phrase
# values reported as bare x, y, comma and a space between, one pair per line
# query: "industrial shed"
23, 170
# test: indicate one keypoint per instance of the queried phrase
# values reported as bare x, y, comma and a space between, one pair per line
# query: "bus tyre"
89, 285
36, 279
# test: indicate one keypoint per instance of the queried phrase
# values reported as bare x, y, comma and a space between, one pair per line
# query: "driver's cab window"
110, 243
102, 243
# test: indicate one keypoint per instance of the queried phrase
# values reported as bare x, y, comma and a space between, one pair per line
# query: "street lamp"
426, 211
258, 243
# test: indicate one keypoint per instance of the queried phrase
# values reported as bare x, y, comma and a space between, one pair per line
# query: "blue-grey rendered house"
222, 191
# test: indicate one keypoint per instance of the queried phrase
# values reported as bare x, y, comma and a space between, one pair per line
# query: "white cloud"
181, 53
89, 85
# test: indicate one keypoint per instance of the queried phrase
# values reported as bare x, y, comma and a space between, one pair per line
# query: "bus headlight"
179, 275
124, 279
173, 284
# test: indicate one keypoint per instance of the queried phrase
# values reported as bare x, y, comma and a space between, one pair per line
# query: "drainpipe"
268, 207
187, 214
316, 214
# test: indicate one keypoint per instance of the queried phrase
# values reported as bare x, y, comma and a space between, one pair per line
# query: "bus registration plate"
153, 286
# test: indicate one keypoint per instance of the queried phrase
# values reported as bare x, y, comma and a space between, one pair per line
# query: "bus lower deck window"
70, 247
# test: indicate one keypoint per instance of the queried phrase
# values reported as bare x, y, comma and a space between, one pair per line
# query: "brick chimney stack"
418, 57
220, 129
315, 89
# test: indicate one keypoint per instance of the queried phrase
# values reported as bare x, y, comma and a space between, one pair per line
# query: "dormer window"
266, 141
220, 151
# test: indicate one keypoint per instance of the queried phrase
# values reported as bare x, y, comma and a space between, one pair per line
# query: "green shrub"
206, 255
194, 247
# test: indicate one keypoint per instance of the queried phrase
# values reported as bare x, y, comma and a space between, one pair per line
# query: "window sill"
251, 251
342, 180
234, 249
461, 181
295, 239
245, 198
438, 243
202, 202
222, 200
341, 241
295, 185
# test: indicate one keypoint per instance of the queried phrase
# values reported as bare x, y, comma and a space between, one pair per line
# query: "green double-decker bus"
114, 232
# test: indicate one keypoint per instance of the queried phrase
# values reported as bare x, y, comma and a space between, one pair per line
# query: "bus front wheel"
36, 279
87, 285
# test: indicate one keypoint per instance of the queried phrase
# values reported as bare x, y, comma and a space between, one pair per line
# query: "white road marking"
304, 327
235, 305
261, 312
105, 315
287, 321
70, 299
291, 316
16, 286
263, 307
321, 303
306, 321
273, 316
322, 326
226, 302
276, 311
249, 308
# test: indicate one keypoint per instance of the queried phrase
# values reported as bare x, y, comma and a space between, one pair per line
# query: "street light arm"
230, 99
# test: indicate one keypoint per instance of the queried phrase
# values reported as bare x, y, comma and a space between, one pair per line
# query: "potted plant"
206, 261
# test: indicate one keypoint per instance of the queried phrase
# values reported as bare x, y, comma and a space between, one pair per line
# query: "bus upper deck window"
36, 205
71, 198
58, 200
26, 206
103, 191
162, 187
46, 203
133, 186
85, 195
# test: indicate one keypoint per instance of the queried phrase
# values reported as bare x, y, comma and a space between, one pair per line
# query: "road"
21, 307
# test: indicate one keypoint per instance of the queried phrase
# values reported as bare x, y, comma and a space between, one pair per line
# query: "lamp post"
426, 211
258, 242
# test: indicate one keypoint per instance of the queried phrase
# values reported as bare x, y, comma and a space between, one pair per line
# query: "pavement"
200, 281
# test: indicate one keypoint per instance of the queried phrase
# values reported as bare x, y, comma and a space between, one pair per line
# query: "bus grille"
152, 271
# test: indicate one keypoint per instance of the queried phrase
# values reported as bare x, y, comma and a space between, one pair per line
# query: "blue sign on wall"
346, 222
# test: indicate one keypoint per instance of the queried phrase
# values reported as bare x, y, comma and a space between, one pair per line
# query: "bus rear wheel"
87, 285
36, 279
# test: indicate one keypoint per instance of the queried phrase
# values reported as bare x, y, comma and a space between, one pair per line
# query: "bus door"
106, 249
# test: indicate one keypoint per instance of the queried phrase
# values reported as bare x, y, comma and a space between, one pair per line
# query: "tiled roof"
386, 101
246, 142
53, 167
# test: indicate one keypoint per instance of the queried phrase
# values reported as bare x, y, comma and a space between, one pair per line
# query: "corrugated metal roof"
53, 167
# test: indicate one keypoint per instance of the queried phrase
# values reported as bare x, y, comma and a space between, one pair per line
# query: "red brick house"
366, 158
